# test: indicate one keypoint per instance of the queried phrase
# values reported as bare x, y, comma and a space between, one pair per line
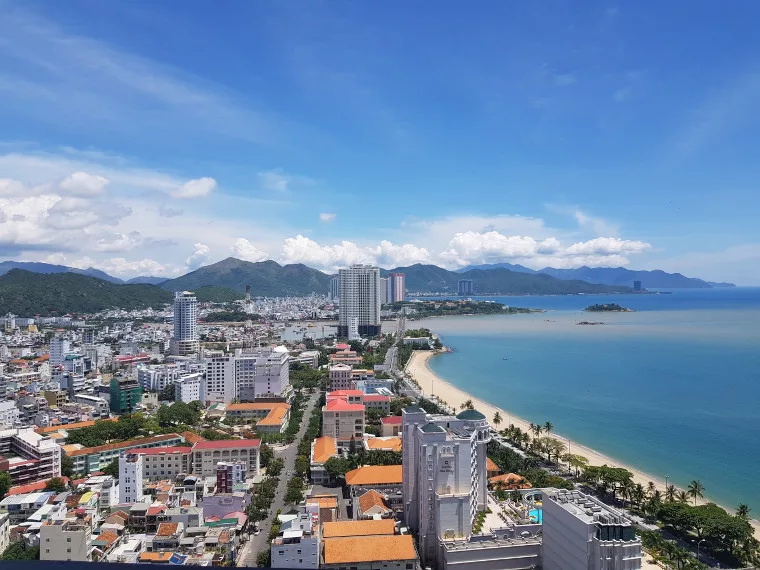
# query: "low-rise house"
167, 537
390, 426
385, 479
378, 402
322, 449
297, 545
372, 505
367, 545
382, 444
67, 539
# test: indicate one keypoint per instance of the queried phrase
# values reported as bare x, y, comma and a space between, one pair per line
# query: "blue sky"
154, 137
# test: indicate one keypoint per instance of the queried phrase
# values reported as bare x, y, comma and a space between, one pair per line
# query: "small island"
607, 308
590, 323
444, 308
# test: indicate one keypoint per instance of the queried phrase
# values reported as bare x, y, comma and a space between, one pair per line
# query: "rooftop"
432, 428
372, 499
163, 450
470, 415
167, 529
251, 406
191, 437
155, 556
392, 420
324, 501
324, 449
123, 444
341, 405
384, 443
375, 475
491, 466
358, 528
376, 398
344, 393
275, 417
362, 549
227, 444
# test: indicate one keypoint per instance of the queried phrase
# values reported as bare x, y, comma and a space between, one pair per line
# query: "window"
47, 550
68, 550
68, 539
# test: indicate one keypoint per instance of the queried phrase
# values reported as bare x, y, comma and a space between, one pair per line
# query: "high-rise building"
582, 533
397, 287
333, 293
125, 394
185, 339
386, 295
464, 287
444, 477
130, 477
248, 375
359, 293
637, 285
189, 388
59, 348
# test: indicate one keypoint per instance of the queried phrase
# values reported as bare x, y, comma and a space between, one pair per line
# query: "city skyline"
340, 134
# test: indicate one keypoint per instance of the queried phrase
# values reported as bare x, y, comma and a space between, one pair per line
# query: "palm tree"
670, 493
627, 489
548, 427
467, 405
743, 512
696, 490
650, 488
497, 419
682, 496
639, 494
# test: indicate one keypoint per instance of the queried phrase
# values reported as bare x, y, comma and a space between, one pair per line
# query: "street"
247, 557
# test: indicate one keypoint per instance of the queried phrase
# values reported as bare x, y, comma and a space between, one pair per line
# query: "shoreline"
431, 384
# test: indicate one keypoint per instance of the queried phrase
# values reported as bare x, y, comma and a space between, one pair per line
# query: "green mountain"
431, 278
27, 293
266, 278
214, 294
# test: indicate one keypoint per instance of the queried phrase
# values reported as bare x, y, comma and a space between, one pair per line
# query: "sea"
671, 389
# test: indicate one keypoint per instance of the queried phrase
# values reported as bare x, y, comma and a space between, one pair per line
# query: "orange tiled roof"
491, 466
167, 529
324, 449
375, 475
191, 437
341, 405
123, 444
384, 443
155, 556
511, 481
71, 426
324, 501
256, 406
372, 499
275, 417
362, 549
109, 537
358, 528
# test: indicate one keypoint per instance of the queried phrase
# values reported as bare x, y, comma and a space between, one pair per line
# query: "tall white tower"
359, 292
130, 477
185, 339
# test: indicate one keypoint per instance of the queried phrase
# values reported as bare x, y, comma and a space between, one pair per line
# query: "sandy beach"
431, 384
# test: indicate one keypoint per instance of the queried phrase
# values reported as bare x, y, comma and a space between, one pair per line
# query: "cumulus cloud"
83, 184
197, 188
116, 266
201, 253
326, 217
245, 250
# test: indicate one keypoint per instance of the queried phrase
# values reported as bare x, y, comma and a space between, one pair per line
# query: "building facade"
165, 462
33, 457
189, 388
343, 422
125, 395
396, 287
185, 340
341, 377
130, 477
359, 299
67, 539
207, 454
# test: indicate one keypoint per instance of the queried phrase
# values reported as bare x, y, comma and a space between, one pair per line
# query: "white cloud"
201, 253
195, 188
83, 184
168, 212
608, 246
274, 180
598, 225
326, 217
245, 250
390, 255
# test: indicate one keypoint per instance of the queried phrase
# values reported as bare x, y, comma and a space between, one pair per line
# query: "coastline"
431, 384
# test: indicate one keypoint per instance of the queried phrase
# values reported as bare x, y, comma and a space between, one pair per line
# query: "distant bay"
672, 389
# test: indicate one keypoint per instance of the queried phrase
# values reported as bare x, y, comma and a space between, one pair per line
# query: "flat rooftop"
586, 507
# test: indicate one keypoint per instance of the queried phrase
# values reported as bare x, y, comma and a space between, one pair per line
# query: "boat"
505, 358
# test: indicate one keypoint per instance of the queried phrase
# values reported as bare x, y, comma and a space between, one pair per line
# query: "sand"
431, 384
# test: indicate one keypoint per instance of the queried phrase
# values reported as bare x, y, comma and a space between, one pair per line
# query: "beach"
431, 384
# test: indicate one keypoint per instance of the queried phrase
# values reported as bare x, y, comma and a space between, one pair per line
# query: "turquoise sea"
671, 389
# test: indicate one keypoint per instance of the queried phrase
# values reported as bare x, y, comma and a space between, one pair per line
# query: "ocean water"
671, 389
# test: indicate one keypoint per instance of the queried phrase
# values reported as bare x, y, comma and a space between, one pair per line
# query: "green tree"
67, 466
264, 558
682, 496
670, 493
168, 393
467, 405
266, 454
337, 467
742, 511
696, 490
497, 419
18, 551
55, 484
112, 468
548, 427
5, 483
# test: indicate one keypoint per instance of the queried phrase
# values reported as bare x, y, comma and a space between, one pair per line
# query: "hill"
147, 279
655, 279
511, 266
38, 267
214, 294
266, 278
431, 278
26, 293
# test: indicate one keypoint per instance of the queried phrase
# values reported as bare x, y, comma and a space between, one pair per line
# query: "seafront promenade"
433, 385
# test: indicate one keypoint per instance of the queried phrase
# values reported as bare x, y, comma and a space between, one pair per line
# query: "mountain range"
38, 267
655, 279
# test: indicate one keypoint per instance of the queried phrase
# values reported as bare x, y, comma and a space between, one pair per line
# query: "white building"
297, 544
9, 414
185, 339
101, 406
359, 299
59, 348
130, 477
444, 477
189, 388
341, 377
220, 381
165, 462
207, 454
385, 291
5, 531
263, 372
343, 421
67, 539
156, 378
39, 456
582, 533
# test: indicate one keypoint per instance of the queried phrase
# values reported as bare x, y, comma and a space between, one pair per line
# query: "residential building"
262, 373
130, 478
377, 402
185, 340
165, 462
29, 456
367, 545
297, 545
189, 388
372, 505
20, 507
167, 537
359, 299
396, 287
637, 286
371, 385
101, 406
229, 474
345, 356
67, 539
444, 474
55, 398
90, 459
220, 382
308, 357
5, 531
343, 421
270, 417
385, 291
385, 479
333, 293
206, 455
322, 449
59, 348
464, 287
9, 413
390, 426
582, 533
340, 377
156, 378
125, 393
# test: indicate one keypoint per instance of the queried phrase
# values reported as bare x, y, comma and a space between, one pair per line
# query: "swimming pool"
536, 515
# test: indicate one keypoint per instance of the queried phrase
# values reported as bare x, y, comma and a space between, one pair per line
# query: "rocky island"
607, 308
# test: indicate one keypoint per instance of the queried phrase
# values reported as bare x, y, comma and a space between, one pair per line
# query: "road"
288, 453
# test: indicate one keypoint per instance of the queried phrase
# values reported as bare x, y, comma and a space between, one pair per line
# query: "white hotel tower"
185, 339
359, 292
444, 477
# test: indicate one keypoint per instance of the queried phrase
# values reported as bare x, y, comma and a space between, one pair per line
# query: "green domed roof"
431, 428
470, 415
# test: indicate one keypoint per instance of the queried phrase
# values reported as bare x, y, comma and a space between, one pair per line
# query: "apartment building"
90, 459
340, 377
165, 462
32, 457
67, 539
185, 339
9, 413
207, 454
359, 291
130, 478
343, 421
189, 388
297, 545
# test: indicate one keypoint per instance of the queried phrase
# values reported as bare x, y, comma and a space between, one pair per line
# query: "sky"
151, 138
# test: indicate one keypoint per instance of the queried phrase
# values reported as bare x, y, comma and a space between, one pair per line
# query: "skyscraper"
397, 282
385, 291
464, 287
185, 339
359, 292
333, 294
